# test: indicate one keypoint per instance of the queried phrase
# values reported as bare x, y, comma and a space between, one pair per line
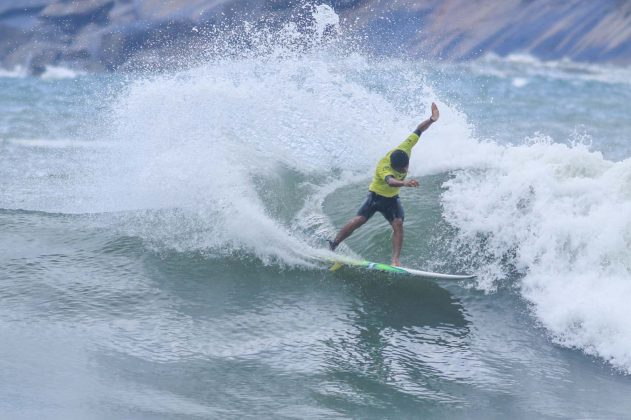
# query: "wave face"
243, 163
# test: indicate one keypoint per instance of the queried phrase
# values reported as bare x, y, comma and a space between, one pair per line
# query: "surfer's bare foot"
332, 245
396, 263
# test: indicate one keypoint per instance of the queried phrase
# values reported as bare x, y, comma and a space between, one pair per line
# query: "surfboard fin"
336, 266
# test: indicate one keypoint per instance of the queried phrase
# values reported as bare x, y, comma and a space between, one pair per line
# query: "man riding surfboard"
383, 192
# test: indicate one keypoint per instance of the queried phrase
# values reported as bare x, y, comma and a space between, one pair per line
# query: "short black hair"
399, 159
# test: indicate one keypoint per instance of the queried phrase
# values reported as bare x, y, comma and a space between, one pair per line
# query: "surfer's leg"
347, 230
365, 212
395, 215
397, 240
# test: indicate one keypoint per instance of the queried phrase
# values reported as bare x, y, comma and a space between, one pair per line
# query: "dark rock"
11, 38
86, 9
73, 15
9, 9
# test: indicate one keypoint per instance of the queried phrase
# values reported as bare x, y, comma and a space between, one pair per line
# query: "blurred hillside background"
106, 35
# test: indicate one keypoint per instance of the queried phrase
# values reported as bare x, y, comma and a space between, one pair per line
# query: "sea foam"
561, 217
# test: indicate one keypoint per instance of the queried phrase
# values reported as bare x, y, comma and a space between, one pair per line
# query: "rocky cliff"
101, 35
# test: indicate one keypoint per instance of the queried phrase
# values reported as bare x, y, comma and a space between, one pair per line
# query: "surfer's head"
399, 161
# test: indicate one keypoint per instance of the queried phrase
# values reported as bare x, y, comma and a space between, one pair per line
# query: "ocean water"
159, 229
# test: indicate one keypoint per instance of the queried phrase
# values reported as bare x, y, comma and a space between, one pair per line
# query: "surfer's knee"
359, 220
397, 224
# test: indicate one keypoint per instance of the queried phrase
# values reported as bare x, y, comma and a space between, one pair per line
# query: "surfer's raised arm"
431, 120
413, 138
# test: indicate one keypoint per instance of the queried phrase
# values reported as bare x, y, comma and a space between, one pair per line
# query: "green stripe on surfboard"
339, 262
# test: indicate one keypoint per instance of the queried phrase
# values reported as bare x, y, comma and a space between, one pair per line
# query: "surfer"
383, 192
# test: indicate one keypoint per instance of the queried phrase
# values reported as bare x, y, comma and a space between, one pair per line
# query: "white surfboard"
340, 261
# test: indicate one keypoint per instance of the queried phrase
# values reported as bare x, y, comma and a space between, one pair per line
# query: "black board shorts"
390, 207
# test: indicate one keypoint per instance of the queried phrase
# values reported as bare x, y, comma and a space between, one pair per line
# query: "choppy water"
156, 234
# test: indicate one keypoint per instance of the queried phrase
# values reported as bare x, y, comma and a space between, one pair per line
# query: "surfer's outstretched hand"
410, 183
428, 122
435, 113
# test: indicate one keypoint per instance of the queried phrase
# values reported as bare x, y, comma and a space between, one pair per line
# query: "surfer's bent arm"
393, 182
428, 122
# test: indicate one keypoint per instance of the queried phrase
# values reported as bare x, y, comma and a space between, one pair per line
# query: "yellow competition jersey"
378, 184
